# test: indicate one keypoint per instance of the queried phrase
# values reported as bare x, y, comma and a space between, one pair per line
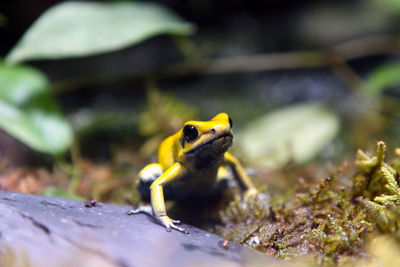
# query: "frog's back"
168, 152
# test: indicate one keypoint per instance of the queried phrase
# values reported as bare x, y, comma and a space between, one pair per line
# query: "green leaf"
73, 29
29, 112
296, 133
57, 192
390, 6
383, 77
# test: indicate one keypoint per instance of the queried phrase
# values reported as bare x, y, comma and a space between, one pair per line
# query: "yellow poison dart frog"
192, 163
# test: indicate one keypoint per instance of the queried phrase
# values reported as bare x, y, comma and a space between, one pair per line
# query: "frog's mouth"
224, 142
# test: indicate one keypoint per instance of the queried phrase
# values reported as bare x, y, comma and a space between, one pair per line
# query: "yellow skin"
192, 162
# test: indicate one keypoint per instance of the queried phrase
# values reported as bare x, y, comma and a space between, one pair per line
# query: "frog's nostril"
213, 131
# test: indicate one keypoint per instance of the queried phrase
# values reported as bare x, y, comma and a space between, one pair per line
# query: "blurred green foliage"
57, 192
163, 116
290, 134
29, 112
73, 29
383, 77
392, 6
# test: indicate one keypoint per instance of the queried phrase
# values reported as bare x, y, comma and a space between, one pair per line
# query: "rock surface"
44, 231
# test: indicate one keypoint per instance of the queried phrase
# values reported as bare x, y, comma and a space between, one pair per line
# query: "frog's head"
203, 142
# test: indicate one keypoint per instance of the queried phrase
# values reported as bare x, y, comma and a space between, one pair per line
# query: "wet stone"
45, 231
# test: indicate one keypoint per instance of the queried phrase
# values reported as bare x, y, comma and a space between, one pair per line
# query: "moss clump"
330, 222
377, 190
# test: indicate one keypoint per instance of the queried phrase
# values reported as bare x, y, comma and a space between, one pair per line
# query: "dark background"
224, 29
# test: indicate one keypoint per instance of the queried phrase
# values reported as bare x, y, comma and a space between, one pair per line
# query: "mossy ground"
332, 222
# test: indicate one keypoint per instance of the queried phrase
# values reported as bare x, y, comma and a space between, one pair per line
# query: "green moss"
332, 220
377, 190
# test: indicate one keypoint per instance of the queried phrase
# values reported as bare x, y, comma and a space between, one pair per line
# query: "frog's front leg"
240, 175
157, 196
146, 177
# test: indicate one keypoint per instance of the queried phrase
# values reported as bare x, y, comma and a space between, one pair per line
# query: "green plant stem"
76, 170
188, 49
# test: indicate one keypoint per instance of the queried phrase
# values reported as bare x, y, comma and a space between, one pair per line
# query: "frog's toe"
173, 226
146, 209
135, 211
170, 224
176, 221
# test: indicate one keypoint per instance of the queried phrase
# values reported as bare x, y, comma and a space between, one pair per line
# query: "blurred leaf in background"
382, 77
390, 6
72, 29
29, 112
296, 133
57, 192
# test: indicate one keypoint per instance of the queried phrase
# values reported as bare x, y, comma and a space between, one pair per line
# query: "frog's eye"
190, 132
230, 122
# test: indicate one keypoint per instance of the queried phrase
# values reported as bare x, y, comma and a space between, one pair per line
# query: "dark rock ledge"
54, 232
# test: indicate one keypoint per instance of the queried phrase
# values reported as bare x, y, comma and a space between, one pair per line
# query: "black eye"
230, 122
190, 132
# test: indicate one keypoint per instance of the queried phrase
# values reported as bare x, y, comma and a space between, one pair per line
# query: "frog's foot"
164, 220
169, 224
142, 209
